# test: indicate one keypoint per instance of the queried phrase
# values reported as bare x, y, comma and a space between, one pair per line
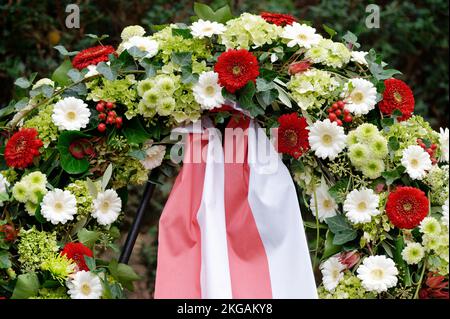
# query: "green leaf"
341, 228
5, 261
106, 71
400, 262
96, 37
60, 74
187, 76
92, 188
135, 132
352, 39
150, 69
329, 30
22, 83
330, 248
138, 154
223, 14
75, 75
124, 274
107, 176
90, 262
88, 237
387, 122
283, 96
69, 163
63, 51
393, 144
387, 249
246, 99
263, 85
267, 97
185, 33
45, 90
339, 190
205, 12
393, 175
27, 286
37, 213
182, 58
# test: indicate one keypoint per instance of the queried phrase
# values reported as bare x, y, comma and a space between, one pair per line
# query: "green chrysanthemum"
144, 86
35, 193
378, 147
31, 207
35, 179
166, 106
359, 154
413, 253
20, 192
430, 226
373, 168
367, 132
329, 53
352, 138
60, 267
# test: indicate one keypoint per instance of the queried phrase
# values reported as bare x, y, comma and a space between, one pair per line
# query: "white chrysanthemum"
107, 207
378, 273
71, 114
132, 31
430, 226
413, 253
327, 139
301, 35
206, 29
361, 205
444, 144
144, 44
154, 156
445, 213
207, 91
416, 161
332, 273
4, 184
326, 205
59, 206
361, 96
359, 57
85, 285
43, 81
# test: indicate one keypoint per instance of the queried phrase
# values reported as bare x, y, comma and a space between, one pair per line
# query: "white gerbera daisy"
378, 273
413, 253
416, 161
206, 29
445, 213
107, 207
154, 155
327, 139
444, 144
361, 205
361, 96
301, 35
326, 205
332, 273
359, 57
207, 91
145, 44
85, 285
59, 206
430, 226
71, 114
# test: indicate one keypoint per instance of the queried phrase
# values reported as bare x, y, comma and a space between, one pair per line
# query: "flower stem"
419, 284
316, 205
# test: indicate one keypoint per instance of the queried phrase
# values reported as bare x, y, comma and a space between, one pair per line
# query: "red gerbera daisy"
76, 252
236, 68
397, 96
22, 147
406, 207
278, 18
92, 56
292, 135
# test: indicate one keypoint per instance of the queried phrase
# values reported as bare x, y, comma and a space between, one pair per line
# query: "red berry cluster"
108, 115
337, 113
430, 150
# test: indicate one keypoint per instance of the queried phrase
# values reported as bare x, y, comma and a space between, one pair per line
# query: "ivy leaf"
267, 97
339, 190
182, 58
351, 38
75, 75
329, 30
187, 76
205, 12
393, 143
23, 83
135, 132
5, 261
63, 51
90, 262
138, 154
45, 90
330, 248
124, 274
246, 99
341, 228
27, 286
185, 33
88, 237
105, 70
263, 85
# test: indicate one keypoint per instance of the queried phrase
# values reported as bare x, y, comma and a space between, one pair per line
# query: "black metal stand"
134, 231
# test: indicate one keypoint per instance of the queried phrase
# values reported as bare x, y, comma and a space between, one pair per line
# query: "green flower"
166, 106
59, 266
352, 138
151, 97
35, 247
20, 192
145, 110
31, 207
132, 31
36, 179
329, 53
378, 147
430, 226
359, 154
144, 86
413, 253
166, 84
431, 242
128, 170
47, 293
367, 132
349, 287
438, 181
373, 168
35, 193
43, 123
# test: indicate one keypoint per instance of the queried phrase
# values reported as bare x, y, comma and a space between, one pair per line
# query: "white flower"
332, 273
154, 155
326, 205
206, 29
59, 206
71, 114
443, 143
361, 96
85, 285
413, 253
144, 44
327, 139
92, 70
359, 57
445, 213
378, 273
361, 205
43, 81
107, 207
132, 31
430, 226
301, 35
207, 91
416, 161
3, 187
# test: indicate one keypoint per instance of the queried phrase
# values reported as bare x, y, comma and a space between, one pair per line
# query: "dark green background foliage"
413, 36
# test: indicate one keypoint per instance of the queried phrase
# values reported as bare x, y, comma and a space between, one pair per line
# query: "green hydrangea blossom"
84, 199
330, 53
42, 122
438, 180
128, 170
375, 230
349, 287
249, 31
47, 293
313, 88
35, 247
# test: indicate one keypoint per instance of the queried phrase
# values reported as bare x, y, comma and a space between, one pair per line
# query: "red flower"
278, 18
397, 96
406, 207
76, 252
92, 56
436, 287
22, 147
81, 148
292, 135
299, 67
10, 233
349, 258
236, 68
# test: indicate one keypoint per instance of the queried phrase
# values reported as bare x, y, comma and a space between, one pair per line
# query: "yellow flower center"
362, 206
327, 139
357, 97
236, 70
377, 273
291, 137
327, 204
398, 97
407, 207
105, 207
414, 163
71, 115
302, 36
209, 90
58, 207
85, 289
